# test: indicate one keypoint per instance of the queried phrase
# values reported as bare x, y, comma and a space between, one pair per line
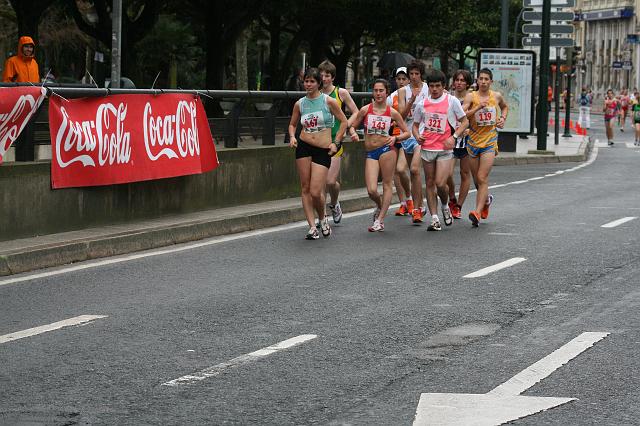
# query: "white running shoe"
446, 215
325, 228
312, 234
376, 212
435, 224
377, 226
336, 212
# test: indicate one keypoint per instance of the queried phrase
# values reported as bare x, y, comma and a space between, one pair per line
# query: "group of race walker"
616, 108
420, 126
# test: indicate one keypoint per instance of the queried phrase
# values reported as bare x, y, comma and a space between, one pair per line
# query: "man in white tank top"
408, 98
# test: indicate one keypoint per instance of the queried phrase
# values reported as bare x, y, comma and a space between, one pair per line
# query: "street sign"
555, 16
553, 42
504, 403
554, 3
554, 29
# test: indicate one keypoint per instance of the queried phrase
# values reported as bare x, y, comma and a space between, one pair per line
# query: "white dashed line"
240, 360
490, 269
618, 222
82, 319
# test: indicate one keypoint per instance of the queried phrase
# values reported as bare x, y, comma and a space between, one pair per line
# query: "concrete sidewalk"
45, 251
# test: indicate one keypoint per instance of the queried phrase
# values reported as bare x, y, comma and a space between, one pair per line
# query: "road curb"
59, 254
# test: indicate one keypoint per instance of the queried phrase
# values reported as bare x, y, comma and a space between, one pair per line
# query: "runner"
342, 96
401, 176
434, 122
462, 80
610, 109
482, 111
317, 113
408, 98
381, 152
624, 107
635, 109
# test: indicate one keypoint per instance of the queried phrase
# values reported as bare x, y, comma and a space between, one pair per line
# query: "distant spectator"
296, 81
22, 68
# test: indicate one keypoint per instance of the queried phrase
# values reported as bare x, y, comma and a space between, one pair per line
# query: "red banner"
128, 138
17, 106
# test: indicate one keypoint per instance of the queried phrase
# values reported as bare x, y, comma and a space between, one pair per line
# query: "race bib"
435, 123
313, 122
486, 116
378, 125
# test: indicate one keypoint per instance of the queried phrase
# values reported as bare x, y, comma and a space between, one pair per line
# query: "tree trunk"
444, 62
242, 80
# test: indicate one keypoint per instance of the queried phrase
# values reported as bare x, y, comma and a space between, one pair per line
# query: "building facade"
607, 32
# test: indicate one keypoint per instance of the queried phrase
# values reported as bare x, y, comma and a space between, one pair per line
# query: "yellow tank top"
482, 126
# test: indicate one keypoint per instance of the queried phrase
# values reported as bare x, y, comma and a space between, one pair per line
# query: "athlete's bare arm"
337, 113
504, 110
403, 106
356, 119
348, 100
293, 123
404, 132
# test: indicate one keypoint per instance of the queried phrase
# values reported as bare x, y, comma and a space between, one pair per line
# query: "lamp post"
116, 43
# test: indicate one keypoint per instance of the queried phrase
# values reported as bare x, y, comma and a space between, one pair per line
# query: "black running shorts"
318, 155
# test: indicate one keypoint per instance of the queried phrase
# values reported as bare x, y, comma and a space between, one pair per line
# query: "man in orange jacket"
22, 68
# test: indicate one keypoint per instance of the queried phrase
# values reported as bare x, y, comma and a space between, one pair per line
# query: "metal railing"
243, 117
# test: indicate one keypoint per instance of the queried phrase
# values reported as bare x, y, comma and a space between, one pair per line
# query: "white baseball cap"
401, 69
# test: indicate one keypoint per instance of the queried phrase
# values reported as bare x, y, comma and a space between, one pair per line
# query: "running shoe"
451, 204
446, 216
318, 223
456, 212
610, 143
336, 212
410, 206
416, 216
485, 210
474, 217
377, 226
402, 210
325, 228
376, 212
435, 224
312, 234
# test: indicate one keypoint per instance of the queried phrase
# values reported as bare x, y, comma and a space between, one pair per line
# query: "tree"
138, 19
28, 15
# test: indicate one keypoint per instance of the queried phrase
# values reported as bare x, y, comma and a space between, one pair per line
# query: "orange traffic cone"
578, 128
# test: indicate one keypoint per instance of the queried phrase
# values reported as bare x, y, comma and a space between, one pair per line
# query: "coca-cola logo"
171, 135
103, 139
11, 123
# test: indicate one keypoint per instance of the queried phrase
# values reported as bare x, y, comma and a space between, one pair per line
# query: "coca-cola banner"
17, 106
128, 138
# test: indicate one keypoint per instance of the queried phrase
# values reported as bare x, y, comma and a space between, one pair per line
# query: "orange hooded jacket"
20, 68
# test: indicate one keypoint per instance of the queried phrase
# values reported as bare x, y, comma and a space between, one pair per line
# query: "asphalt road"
390, 316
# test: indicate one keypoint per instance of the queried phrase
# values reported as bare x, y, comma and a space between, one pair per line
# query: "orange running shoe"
474, 217
485, 210
417, 216
402, 211
410, 206
456, 211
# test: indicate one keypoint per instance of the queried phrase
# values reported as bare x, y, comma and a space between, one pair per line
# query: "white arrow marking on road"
496, 267
504, 403
618, 222
49, 327
240, 360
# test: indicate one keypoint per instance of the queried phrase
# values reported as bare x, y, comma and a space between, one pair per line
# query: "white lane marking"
214, 240
518, 182
618, 222
503, 233
240, 360
547, 365
82, 319
488, 270
536, 178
